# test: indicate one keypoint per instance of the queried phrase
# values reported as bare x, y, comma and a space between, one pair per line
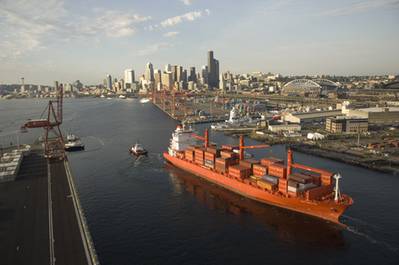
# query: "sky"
67, 40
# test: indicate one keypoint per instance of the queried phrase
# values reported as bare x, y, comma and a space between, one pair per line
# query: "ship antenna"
337, 196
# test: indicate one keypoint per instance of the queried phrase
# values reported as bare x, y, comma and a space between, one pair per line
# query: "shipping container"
267, 161
229, 147
270, 179
318, 192
238, 171
259, 170
277, 170
248, 163
301, 178
265, 184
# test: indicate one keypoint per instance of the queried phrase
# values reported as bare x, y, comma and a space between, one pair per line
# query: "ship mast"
337, 195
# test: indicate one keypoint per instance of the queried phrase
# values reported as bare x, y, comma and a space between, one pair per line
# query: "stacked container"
277, 170
227, 154
189, 154
326, 179
239, 172
282, 186
259, 170
267, 161
264, 184
199, 156
209, 159
318, 192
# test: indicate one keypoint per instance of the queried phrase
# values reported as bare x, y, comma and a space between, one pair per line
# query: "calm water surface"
146, 212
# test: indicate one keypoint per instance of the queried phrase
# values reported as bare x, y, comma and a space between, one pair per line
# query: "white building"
129, 78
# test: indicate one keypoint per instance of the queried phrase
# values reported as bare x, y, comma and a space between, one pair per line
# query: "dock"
41, 219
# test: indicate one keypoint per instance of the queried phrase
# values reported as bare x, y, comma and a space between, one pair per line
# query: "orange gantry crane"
53, 144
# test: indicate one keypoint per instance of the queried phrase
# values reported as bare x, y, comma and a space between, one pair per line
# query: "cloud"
360, 7
187, 2
24, 24
27, 26
112, 23
151, 49
190, 16
171, 34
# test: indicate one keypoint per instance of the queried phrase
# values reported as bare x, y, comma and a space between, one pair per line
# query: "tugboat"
73, 143
138, 150
144, 100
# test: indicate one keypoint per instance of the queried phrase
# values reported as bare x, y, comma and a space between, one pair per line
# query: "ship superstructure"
292, 186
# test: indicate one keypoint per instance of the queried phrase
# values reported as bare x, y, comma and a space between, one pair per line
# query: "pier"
41, 219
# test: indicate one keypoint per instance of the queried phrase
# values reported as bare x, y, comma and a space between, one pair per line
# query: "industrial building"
307, 117
345, 124
377, 115
284, 127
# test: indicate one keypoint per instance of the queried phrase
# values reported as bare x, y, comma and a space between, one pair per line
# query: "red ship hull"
327, 209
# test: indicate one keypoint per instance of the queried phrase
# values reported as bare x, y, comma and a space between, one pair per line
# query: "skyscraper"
158, 78
149, 72
192, 76
213, 71
129, 78
167, 79
109, 82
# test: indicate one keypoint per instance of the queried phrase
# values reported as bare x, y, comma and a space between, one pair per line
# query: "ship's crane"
53, 146
242, 147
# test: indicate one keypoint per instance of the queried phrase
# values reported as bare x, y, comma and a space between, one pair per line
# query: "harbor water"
143, 211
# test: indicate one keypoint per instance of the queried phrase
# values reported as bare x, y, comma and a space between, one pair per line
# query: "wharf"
41, 221
189, 121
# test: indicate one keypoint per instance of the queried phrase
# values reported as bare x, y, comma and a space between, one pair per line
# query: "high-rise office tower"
157, 77
129, 78
184, 76
204, 74
179, 73
192, 76
168, 68
167, 79
109, 81
213, 71
149, 72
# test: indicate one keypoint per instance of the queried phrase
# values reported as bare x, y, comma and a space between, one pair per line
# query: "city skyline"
55, 40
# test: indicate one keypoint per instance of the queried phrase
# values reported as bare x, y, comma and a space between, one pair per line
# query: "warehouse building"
377, 115
343, 124
308, 117
277, 127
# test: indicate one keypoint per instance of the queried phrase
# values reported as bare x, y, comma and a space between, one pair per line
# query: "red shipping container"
259, 170
267, 161
277, 170
318, 192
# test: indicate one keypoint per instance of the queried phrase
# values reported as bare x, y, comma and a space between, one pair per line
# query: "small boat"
102, 96
122, 97
73, 143
144, 100
138, 150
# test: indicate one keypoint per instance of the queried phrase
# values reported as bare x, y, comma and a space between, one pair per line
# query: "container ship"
292, 186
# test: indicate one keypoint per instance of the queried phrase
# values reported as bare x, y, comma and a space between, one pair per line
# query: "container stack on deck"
270, 173
11, 162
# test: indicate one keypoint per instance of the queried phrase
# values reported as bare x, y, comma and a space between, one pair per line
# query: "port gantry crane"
53, 145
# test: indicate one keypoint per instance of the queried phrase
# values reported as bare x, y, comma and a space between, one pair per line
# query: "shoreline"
344, 158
